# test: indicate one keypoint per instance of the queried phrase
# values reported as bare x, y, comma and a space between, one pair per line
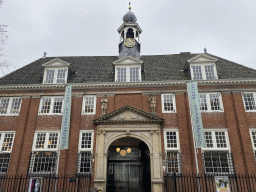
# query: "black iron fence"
45, 183
206, 182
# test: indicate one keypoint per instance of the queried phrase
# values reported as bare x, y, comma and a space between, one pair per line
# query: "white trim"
174, 103
128, 68
165, 140
80, 140
55, 74
2, 139
252, 130
94, 105
208, 101
215, 148
254, 96
203, 70
51, 105
46, 141
10, 106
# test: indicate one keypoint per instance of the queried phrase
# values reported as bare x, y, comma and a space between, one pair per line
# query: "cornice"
126, 85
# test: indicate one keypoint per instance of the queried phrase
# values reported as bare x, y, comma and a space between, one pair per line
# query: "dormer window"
56, 71
56, 76
128, 74
203, 72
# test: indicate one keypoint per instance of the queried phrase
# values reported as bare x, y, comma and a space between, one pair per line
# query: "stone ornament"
152, 103
104, 105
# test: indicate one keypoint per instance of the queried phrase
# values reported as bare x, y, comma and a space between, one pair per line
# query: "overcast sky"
227, 28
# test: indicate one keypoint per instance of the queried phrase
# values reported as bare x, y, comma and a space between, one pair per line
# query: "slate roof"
96, 69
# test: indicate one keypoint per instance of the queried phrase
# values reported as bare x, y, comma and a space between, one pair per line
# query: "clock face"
129, 42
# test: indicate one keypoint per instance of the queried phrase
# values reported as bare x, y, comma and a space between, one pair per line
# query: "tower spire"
130, 6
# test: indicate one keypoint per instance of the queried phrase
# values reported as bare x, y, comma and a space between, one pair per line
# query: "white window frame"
208, 101
215, 148
127, 72
81, 150
2, 140
34, 149
94, 105
254, 96
55, 75
8, 113
174, 103
203, 71
253, 144
51, 106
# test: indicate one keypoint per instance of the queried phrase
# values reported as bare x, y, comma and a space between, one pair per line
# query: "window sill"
217, 111
49, 114
169, 112
10, 115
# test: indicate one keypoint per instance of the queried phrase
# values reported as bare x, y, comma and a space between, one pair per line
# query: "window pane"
4, 162
53, 141
215, 101
84, 162
46, 104
209, 72
173, 162
218, 162
197, 72
40, 140
253, 138
89, 104
15, 108
221, 139
43, 162
249, 101
57, 105
121, 74
208, 139
4, 102
86, 141
7, 142
61, 76
168, 102
134, 74
171, 139
49, 76
203, 102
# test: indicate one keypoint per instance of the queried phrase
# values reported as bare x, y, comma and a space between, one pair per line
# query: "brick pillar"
19, 136
244, 133
75, 125
28, 136
186, 145
233, 132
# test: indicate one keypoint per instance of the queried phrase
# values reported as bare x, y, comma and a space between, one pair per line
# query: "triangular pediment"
128, 114
202, 58
128, 61
56, 63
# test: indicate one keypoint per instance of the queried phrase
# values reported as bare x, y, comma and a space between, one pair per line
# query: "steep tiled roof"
96, 69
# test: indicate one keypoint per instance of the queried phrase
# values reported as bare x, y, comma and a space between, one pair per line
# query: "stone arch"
130, 135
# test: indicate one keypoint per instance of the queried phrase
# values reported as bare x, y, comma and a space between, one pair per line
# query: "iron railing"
46, 183
206, 182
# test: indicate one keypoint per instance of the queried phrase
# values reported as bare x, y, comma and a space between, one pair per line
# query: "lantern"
118, 150
129, 150
122, 153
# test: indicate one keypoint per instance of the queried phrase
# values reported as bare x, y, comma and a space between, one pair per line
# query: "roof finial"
44, 54
130, 6
205, 50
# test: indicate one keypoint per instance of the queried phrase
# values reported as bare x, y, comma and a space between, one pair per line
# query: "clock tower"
129, 31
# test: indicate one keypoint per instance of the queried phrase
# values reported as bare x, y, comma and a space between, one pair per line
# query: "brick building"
130, 118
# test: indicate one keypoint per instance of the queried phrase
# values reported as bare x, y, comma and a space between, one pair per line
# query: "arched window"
130, 33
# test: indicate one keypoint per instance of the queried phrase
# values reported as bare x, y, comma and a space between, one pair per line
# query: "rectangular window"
210, 102
51, 105
55, 76
253, 138
44, 154
6, 144
172, 151
89, 104
249, 101
128, 74
203, 72
134, 74
217, 156
121, 74
10, 106
168, 103
84, 162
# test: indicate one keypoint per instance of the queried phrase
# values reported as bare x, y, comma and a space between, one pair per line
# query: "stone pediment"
128, 61
57, 63
202, 58
128, 114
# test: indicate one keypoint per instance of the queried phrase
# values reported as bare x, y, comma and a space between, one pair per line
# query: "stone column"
99, 178
156, 163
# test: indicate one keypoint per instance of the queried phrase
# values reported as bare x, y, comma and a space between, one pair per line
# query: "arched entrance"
128, 166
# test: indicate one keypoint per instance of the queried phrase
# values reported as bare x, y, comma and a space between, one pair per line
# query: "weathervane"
129, 5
